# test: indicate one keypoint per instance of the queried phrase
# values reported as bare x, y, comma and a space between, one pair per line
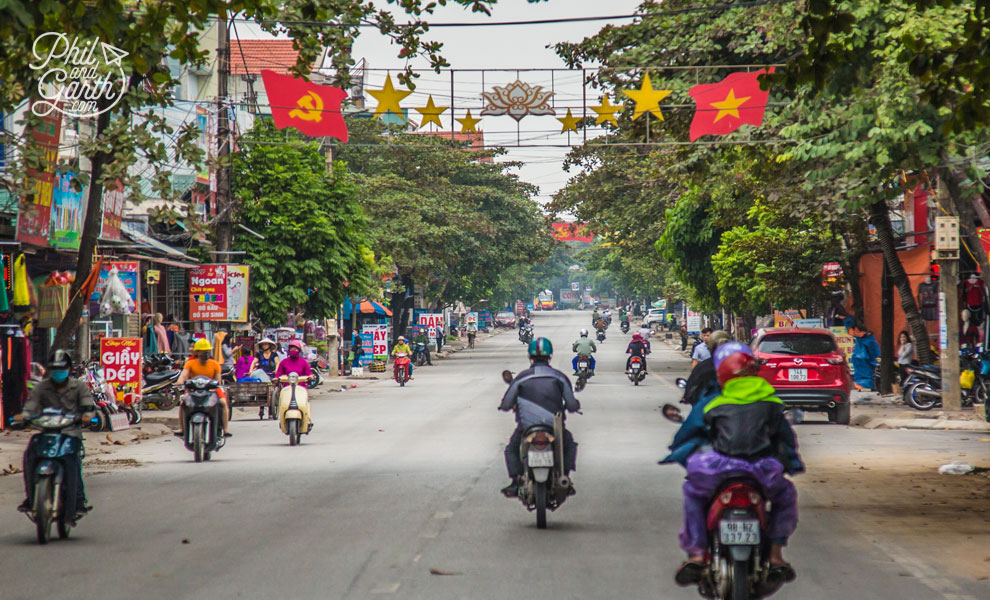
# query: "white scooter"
293, 408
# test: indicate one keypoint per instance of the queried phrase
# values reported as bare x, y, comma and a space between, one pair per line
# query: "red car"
807, 369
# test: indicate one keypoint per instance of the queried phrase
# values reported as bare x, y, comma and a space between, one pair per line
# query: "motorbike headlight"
293, 377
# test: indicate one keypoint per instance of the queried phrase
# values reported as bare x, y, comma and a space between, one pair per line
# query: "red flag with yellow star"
311, 108
723, 107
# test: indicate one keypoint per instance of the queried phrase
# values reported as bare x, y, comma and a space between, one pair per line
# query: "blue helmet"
540, 348
728, 349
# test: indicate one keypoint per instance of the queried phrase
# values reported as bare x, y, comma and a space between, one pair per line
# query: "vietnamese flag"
311, 108
725, 106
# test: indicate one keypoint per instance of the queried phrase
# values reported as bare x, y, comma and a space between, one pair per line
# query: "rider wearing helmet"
201, 364
750, 437
537, 391
402, 346
702, 382
294, 362
584, 346
638, 346
59, 390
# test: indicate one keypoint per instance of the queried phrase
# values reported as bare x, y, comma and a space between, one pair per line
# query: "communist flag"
311, 108
723, 107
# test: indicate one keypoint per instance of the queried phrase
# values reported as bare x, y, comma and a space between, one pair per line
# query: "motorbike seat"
159, 376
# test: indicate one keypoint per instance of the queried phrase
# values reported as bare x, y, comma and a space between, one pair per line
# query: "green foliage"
315, 231
689, 240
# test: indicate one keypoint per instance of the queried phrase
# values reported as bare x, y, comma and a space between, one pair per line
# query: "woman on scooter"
201, 364
294, 363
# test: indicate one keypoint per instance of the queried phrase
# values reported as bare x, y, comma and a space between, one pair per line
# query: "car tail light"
770, 365
835, 360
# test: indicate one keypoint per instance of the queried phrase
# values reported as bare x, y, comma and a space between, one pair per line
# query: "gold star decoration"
647, 99
569, 123
729, 106
606, 111
431, 113
469, 123
388, 99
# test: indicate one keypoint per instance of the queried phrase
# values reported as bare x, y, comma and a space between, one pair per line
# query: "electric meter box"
947, 238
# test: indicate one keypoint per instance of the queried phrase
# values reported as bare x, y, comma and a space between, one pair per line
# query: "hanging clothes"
161, 335
4, 307
217, 343
21, 295
15, 369
150, 339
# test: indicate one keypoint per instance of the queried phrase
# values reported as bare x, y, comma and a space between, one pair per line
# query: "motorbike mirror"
507, 376
681, 383
672, 413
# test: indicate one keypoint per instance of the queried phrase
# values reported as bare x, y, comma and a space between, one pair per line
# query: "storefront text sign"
121, 361
219, 293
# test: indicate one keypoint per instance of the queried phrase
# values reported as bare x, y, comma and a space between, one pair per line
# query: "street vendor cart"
253, 393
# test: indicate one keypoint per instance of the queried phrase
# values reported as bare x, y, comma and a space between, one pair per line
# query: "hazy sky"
510, 48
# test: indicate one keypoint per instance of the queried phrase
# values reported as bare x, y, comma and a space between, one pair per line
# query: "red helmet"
733, 360
296, 344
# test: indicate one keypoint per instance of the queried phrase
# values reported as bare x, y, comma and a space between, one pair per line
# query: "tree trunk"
92, 226
968, 226
886, 332
880, 217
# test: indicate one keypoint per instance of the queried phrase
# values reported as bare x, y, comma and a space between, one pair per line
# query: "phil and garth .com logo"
79, 78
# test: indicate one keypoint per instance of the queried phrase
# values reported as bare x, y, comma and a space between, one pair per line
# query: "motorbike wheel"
136, 411
199, 442
100, 421
169, 400
541, 505
982, 391
912, 399
43, 503
63, 526
581, 382
293, 429
740, 580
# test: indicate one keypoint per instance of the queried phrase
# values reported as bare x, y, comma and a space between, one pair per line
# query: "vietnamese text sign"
568, 297
433, 323
67, 212
693, 322
121, 361
844, 340
367, 346
34, 216
379, 340
219, 293
128, 273
786, 318
471, 317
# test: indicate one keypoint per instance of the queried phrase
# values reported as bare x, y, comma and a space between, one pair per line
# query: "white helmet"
584, 333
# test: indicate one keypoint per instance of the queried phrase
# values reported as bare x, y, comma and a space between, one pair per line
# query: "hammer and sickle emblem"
312, 103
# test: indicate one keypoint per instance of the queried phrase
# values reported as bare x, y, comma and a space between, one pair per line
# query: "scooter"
738, 544
158, 390
201, 414
526, 334
293, 408
400, 370
923, 386
636, 371
601, 335
49, 472
584, 372
419, 354
624, 327
544, 486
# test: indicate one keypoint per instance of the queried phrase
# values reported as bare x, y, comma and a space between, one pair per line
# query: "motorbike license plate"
739, 533
797, 374
543, 458
583, 365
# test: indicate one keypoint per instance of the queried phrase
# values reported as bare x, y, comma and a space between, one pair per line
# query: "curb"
939, 424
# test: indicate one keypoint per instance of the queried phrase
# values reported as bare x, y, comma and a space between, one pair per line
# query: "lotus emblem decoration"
517, 100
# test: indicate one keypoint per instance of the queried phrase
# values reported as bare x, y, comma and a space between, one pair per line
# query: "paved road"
395, 482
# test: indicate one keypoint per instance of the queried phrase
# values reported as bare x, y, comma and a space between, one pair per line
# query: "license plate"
740, 533
543, 458
797, 374
583, 365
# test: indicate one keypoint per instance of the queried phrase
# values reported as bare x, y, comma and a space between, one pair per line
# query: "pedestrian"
865, 353
905, 357
356, 351
701, 351
438, 331
684, 337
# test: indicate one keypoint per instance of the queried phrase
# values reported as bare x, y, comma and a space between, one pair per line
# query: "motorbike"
544, 486
49, 472
923, 386
471, 335
738, 543
104, 397
158, 389
624, 327
293, 409
636, 371
400, 370
526, 334
600, 336
584, 372
419, 354
202, 418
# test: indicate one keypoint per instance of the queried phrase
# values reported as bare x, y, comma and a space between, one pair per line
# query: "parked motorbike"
636, 371
293, 409
419, 354
738, 544
584, 372
923, 386
49, 472
624, 327
202, 418
544, 487
400, 370
601, 335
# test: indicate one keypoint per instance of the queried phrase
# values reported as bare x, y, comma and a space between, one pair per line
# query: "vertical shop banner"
121, 361
128, 273
379, 340
34, 216
844, 340
113, 210
693, 321
67, 212
219, 293
431, 321
367, 346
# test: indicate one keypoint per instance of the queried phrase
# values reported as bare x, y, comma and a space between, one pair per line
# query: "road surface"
396, 482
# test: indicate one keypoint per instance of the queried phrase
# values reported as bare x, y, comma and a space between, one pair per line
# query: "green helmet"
540, 348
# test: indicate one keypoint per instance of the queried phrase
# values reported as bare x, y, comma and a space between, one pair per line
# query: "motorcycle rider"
623, 317
749, 437
268, 358
538, 389
59, 390
700, 351
294, 363
201, 364
584, 346
423, 338
402, 346
637, 347
702, 382
594, 317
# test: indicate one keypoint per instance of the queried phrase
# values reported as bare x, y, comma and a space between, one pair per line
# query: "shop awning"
162, 261
156, 245
365, 306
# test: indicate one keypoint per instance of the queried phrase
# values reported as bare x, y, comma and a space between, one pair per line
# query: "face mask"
60, 375
294, 353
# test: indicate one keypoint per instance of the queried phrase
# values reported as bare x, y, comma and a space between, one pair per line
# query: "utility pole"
947, 252
225, 221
